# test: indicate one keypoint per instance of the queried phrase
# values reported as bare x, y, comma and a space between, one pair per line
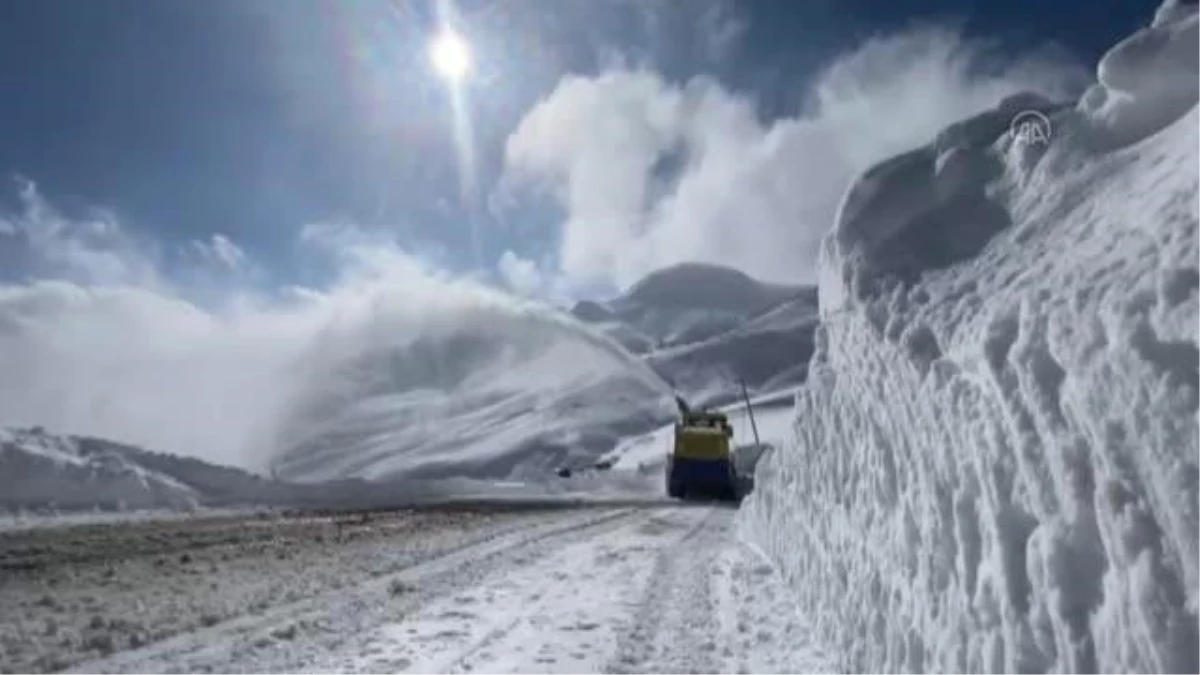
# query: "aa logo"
1030, 127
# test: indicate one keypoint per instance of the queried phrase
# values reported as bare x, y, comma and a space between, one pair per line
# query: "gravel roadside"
74, 593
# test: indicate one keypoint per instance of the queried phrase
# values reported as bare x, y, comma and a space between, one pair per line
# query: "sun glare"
451, 56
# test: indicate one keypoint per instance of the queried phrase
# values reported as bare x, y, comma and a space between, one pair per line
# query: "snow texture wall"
994, 462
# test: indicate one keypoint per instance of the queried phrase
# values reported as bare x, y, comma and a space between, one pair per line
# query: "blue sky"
183, 120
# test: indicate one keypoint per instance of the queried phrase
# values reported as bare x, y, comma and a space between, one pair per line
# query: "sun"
451, 56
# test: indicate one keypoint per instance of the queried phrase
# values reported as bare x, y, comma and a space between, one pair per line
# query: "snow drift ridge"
994, 465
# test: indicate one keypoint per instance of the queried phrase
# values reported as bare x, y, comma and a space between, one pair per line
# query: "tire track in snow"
562, 613
659, 590
675, 629
714, 604
292, 636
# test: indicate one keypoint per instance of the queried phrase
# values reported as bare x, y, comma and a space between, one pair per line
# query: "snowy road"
658, 591
632, 589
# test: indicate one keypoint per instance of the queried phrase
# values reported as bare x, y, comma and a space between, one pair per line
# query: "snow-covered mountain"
46, 473
994, 463
685, 303
44, 470
703, 327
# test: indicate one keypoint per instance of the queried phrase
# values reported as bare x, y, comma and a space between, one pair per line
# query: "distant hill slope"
38, 469
703, 327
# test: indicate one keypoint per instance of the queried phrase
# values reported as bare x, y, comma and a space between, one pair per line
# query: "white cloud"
222, 252
755, 196
520, 274
88, 249
708, 32
721, 28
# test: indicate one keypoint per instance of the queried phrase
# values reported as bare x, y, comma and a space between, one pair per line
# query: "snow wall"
994, 461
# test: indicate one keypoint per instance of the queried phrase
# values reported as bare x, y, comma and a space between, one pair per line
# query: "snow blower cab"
700, 464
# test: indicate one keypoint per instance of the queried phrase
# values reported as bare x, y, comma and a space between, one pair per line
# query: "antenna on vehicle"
750, 411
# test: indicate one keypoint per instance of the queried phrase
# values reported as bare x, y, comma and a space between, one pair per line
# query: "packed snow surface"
994, 464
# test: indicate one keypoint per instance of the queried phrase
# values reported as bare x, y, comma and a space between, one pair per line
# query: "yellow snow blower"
701, 463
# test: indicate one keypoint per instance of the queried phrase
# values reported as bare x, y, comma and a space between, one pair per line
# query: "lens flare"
451, 56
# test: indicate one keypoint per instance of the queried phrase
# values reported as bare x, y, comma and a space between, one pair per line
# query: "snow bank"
994, 463
1148, 79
